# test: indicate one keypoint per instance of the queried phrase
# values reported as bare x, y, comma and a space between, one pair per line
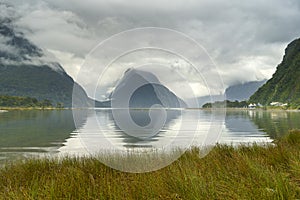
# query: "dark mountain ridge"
284, 86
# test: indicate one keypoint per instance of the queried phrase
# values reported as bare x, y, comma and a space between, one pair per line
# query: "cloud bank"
245, 39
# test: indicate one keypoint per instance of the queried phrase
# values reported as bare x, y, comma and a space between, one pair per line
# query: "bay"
53, 132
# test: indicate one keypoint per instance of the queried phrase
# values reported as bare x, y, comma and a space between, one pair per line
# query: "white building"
278, 104
252, 105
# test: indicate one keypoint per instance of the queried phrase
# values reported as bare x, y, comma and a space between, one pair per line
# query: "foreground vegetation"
245, 172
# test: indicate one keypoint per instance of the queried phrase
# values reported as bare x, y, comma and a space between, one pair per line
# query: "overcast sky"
246, 39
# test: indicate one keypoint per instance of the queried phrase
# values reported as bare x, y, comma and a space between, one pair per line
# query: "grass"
244, 172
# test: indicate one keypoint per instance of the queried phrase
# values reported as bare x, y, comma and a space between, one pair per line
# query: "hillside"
284, 86
40, 82
25, 72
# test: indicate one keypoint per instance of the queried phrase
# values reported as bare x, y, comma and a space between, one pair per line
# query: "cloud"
246, 39
57, 30
9, 49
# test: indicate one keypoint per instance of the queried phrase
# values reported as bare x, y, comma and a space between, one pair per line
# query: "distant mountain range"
244, 91
238, 92
284, 86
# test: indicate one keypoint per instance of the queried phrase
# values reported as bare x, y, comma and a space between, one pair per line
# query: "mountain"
24, 71
40, 82
141, 89
242, 92
238, 92
284, 86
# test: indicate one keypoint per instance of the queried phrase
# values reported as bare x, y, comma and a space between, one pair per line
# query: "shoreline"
249, 109
6, 109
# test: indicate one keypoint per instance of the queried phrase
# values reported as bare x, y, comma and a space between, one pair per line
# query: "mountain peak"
136, 74
292, 50
143, 89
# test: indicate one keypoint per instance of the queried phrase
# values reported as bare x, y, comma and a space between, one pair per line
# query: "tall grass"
245, 172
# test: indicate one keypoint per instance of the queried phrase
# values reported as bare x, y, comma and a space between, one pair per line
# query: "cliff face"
284, 86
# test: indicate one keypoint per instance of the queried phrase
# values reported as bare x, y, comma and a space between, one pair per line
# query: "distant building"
275, 103
278, 104
252, 105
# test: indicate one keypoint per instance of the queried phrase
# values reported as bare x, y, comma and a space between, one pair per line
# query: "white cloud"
8, 48
57, 30
70, 62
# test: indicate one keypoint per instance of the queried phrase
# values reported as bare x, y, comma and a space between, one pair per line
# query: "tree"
59, 105
46, 103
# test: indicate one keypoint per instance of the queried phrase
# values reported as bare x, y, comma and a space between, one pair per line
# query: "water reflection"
101, 132
276, 123
28, 132
142, 118
182, 129
240, 129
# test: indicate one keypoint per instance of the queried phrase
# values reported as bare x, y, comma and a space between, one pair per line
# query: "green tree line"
227, 103
16, 101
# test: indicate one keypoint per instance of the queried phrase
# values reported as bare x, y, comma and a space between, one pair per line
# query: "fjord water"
31, 132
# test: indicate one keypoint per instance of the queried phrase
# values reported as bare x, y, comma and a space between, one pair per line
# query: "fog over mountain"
26, 71
244, 91
245, 39
237, 92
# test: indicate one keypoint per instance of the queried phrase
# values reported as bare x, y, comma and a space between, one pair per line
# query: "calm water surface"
30, 133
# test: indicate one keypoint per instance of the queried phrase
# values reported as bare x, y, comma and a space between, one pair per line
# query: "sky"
244, 39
